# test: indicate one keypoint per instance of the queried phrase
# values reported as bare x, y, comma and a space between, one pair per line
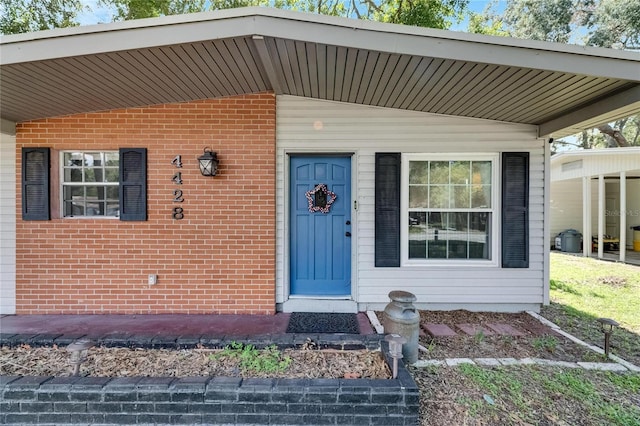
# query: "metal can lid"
402, 296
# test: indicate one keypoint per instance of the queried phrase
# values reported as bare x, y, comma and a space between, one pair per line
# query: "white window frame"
64, 184
495, 209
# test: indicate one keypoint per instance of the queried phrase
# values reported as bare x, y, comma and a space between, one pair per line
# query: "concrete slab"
508, 361
602, 366
627, 364
487, 362
156, 324
552, 363
422, 363
454, 362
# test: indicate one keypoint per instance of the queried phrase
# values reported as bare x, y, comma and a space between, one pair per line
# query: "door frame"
319, 303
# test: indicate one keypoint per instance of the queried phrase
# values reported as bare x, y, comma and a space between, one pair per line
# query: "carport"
602, 187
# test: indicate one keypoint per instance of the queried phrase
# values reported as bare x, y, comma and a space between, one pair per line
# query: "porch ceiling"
559, 88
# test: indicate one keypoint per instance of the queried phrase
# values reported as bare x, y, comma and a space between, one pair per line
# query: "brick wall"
219, 259
205, 400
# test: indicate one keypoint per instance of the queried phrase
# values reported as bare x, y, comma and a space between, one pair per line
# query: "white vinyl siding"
305, 125
7, 224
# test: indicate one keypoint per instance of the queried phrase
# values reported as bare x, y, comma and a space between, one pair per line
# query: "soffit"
249, 51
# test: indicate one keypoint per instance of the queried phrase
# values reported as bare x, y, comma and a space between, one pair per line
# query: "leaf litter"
306, 362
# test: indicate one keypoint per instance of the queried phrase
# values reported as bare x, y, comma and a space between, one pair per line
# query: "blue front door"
320, 215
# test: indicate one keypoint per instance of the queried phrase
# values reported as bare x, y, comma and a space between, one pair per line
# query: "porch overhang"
559, 88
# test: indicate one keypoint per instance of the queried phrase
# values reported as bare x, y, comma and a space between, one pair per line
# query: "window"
450, 205
90, 184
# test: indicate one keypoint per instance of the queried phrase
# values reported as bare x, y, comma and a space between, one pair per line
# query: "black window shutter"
133, 184
515, 209
35, 184
387, 209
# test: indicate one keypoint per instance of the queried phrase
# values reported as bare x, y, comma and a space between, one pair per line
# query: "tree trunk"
614, 134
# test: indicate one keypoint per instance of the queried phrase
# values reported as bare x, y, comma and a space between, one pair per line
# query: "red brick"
103, 264
474, 329
438, 330
505, 329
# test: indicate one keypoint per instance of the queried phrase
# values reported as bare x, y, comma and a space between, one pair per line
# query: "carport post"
586, 216
623, 216
601, 198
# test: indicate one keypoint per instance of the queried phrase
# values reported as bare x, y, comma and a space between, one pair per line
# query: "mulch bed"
125, 362
537, 341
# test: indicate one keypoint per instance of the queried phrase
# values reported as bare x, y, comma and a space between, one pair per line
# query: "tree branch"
614, 134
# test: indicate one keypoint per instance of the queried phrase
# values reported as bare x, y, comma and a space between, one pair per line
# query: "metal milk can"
401, 317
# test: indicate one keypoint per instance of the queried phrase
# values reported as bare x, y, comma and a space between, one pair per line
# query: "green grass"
584, 289
498, 383
539, 395
548, 343
250, 359
597, 288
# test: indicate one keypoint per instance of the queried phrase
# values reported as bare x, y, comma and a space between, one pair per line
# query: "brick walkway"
443, 330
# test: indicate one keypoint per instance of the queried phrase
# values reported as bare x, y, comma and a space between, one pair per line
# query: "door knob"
347, 234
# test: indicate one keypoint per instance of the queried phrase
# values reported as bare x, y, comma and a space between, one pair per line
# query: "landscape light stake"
606, 326
78, 351
395, 350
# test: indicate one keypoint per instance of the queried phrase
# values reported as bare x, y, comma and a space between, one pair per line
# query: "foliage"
21, 16
422, 13
479, 25
136, 9
269, 360
546, 20
602, 23
425, 13
614, 23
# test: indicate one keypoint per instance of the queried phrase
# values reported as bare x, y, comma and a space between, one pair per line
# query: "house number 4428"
178, 196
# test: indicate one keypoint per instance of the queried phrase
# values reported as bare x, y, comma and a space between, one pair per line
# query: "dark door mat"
309, 322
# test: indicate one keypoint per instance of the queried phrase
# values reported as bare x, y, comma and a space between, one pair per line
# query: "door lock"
347, 234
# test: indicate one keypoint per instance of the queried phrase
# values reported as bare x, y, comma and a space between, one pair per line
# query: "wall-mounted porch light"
208, 162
